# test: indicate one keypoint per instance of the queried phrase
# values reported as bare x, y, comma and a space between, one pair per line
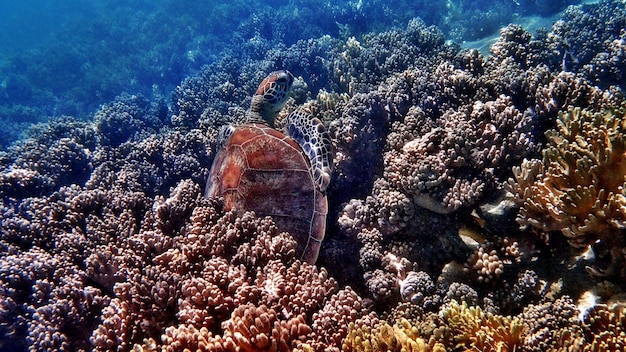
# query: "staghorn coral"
579, 187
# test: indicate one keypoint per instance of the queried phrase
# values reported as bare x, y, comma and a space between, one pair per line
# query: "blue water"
68, 57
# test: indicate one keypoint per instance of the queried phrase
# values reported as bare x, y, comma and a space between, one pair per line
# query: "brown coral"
605, 328
330, 324
224, 282
552, 325
579, 188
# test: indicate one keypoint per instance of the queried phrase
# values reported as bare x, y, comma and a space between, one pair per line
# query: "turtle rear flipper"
313, 138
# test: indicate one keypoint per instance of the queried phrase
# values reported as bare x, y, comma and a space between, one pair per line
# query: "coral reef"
478, 331
604, 328
176, 267
106, 242
551, 325
119, 121
54, 155
578, 187
445, 150
407, 329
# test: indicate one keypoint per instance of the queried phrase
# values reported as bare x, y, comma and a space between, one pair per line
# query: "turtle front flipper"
313, 138
223, 136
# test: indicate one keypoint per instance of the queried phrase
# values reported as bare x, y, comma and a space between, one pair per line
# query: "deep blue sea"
68, 57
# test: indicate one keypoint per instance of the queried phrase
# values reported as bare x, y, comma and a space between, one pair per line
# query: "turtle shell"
263, 170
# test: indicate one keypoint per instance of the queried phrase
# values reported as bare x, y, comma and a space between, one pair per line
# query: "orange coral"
259, 329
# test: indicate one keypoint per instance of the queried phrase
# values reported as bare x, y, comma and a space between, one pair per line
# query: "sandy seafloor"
477, 200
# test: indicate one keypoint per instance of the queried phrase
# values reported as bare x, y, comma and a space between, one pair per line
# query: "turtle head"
270, 97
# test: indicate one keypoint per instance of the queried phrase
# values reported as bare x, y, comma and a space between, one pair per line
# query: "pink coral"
219, 276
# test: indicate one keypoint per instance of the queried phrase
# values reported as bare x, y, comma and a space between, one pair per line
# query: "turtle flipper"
311, 135
224, 135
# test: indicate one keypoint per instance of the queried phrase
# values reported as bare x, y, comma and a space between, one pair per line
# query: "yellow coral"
605, 328
360, 339
580, 188
401, 337
476, 331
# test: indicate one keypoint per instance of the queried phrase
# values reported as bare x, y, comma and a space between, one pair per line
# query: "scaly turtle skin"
283, 175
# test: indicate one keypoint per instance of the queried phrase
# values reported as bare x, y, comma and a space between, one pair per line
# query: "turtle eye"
269, 98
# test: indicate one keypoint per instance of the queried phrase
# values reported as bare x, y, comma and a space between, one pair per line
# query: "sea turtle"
280, 174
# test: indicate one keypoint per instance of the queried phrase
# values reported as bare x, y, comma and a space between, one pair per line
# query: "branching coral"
551, 325
89, 236
127, 116
330, 324
401, 336
605, 328
223, 282
475, 330
452, 164
442, 161
579, 189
